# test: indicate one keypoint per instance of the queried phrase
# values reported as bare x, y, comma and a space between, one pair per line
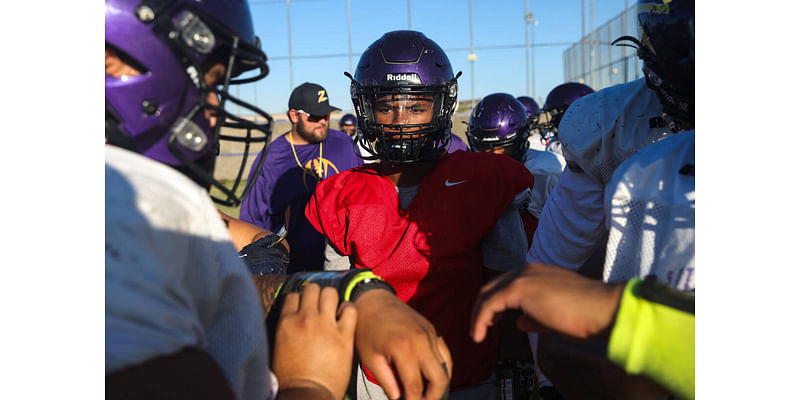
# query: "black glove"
266, 256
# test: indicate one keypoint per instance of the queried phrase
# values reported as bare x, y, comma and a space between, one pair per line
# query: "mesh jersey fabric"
649, 209
430, 253
173, 278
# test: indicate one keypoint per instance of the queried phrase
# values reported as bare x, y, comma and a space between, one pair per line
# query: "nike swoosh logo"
448, 183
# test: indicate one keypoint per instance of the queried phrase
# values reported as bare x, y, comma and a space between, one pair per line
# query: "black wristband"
368, 283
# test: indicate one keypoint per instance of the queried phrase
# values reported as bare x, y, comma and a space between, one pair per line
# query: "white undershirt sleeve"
335, 261
571, 225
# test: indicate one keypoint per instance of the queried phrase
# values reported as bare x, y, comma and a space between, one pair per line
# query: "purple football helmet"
556, 104
404, 66
530, 105
666, 32
347, 120
161, 112
666, 47
499, 120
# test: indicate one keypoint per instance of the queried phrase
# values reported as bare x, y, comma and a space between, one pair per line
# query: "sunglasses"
312, 118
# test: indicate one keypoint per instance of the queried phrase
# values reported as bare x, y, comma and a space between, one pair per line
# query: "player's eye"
419, 108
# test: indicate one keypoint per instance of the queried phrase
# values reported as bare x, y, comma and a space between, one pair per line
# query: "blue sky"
320, 27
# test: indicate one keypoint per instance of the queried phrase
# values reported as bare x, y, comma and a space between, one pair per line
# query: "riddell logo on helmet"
411, 78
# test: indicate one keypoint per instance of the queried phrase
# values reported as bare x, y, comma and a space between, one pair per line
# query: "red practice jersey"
430, 252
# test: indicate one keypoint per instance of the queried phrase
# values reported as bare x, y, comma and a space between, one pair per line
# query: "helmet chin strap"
115, 135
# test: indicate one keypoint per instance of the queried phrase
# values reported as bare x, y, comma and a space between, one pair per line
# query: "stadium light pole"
583, 41
527, 55
534, 22
349, 37
289, 29
409, 14
471, 57
591, 45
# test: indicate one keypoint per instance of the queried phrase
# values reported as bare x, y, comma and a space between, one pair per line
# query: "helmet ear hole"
114, 55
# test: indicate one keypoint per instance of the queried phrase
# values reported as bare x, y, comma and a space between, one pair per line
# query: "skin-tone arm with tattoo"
243, 233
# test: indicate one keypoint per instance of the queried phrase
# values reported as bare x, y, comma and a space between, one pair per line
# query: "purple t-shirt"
281, 184
456, 144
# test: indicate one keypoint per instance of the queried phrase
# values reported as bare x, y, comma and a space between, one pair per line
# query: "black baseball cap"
311, 98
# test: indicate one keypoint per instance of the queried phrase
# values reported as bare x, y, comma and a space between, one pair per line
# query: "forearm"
581, 371
309, 390
653, 339
267, 287
242, 233
348, 283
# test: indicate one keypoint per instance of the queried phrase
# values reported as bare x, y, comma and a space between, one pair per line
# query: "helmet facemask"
517, 143
404, 124
666, 48
198, 43
547, 122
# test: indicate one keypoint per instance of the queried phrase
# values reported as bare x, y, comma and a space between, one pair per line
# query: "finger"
290, 304
348, 316
309, 301
383, 373
408, 370
329, 302
436, 373
448, 359
485, 313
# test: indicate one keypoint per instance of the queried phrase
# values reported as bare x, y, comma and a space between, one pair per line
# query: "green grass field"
232, 211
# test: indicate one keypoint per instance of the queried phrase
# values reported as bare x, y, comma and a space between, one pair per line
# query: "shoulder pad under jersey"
599, 131
650, 214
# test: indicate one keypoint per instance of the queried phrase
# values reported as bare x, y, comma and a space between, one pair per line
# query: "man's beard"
308, 133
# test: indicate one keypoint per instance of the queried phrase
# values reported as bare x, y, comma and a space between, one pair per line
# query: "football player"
411, 216
532, 107
347, 124
499, 124
598, 133
295, 161
557, 102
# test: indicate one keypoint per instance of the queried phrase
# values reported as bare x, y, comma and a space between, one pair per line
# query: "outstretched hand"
391, 335
550, 298
313, 350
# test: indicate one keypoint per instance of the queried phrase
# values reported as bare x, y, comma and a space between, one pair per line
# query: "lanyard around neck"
316, 173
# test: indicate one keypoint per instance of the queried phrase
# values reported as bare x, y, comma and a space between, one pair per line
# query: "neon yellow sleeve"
654, 340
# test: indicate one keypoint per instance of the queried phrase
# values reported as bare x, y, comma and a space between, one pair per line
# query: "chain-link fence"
595, 62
